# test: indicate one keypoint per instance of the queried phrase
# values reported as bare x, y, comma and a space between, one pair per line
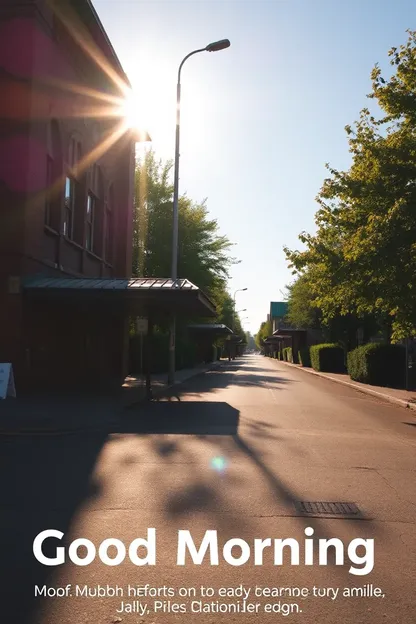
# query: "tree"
204, 255
302, 310
264, 331
251, 344
362, 259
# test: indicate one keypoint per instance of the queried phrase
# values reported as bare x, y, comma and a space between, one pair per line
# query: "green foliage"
264, 331
304, 357
204, 255
185, 352
362, 259
250, 341
327, 358
288, 354
378, 364
302, 310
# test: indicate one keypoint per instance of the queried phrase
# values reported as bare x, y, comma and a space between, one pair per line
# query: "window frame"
89, 221
109, 226
69, 207
50, 165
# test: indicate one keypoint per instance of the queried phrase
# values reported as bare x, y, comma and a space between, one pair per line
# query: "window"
74, 154
94, 240
49, 221
69, 207
89, 238
108, 238
53, 176
75, 194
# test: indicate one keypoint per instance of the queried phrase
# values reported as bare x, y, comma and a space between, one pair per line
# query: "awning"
134, 296
211, 329
287, 331
273, 339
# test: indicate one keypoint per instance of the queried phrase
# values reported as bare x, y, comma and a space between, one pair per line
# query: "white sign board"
142, 325
7, 381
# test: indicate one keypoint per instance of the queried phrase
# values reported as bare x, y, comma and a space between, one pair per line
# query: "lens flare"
219, 464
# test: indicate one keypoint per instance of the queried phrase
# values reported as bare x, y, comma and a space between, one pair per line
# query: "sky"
260, 119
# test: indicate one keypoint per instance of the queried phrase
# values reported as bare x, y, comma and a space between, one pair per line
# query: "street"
233, 451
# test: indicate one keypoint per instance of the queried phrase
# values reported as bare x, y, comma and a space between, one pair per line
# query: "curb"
380, 395
105, 427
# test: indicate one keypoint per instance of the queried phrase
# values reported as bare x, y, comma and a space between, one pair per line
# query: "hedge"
287, 354
327, 358
378, 364
304, 357
185, 354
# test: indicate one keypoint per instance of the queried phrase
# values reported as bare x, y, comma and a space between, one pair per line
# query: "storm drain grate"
323, 508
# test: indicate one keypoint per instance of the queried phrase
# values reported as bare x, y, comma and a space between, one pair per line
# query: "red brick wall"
44, 71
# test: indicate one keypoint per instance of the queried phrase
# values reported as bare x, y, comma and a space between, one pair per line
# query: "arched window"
53, 176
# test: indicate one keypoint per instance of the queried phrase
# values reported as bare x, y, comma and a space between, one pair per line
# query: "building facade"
66, 191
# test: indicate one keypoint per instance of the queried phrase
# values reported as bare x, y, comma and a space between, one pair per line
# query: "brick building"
66, 192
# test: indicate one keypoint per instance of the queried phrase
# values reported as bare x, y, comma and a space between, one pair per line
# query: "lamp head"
218, 45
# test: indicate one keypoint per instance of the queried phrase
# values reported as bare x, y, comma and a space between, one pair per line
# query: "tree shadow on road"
184, 418
43, 481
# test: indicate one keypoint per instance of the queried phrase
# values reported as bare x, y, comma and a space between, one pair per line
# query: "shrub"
185, 355
304, 357
327, 358
287, 354
378, 364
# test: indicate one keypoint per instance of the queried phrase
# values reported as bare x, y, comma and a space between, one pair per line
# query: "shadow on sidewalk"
43, 481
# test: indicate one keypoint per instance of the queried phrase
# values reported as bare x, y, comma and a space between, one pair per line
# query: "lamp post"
211, 47
238, 290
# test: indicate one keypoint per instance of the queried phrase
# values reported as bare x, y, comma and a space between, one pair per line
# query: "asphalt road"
234, 452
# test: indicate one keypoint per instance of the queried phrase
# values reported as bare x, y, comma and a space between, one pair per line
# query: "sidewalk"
134, 387
69, 413
405, 398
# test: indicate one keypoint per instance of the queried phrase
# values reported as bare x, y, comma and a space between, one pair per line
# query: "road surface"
234, 453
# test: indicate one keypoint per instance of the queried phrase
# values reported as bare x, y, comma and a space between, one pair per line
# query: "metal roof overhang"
273, 338
211, 329
132, 296
288, 331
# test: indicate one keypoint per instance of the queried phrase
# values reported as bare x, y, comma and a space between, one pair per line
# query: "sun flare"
131, 110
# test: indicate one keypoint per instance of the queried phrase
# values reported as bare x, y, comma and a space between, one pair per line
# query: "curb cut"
105, 427
380, 395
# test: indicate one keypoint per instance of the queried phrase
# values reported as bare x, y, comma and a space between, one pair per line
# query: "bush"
185, 354
327, 358
287, 354
304, 357
378, 364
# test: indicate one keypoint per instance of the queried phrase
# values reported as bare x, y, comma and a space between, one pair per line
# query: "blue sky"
260, 119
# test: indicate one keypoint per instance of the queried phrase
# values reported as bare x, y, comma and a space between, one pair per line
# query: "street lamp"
244, 310
211, 47
238, 290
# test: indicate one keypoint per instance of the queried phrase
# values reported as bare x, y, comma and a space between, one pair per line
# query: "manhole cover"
324, 508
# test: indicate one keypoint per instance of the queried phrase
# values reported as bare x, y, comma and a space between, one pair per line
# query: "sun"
132, 111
